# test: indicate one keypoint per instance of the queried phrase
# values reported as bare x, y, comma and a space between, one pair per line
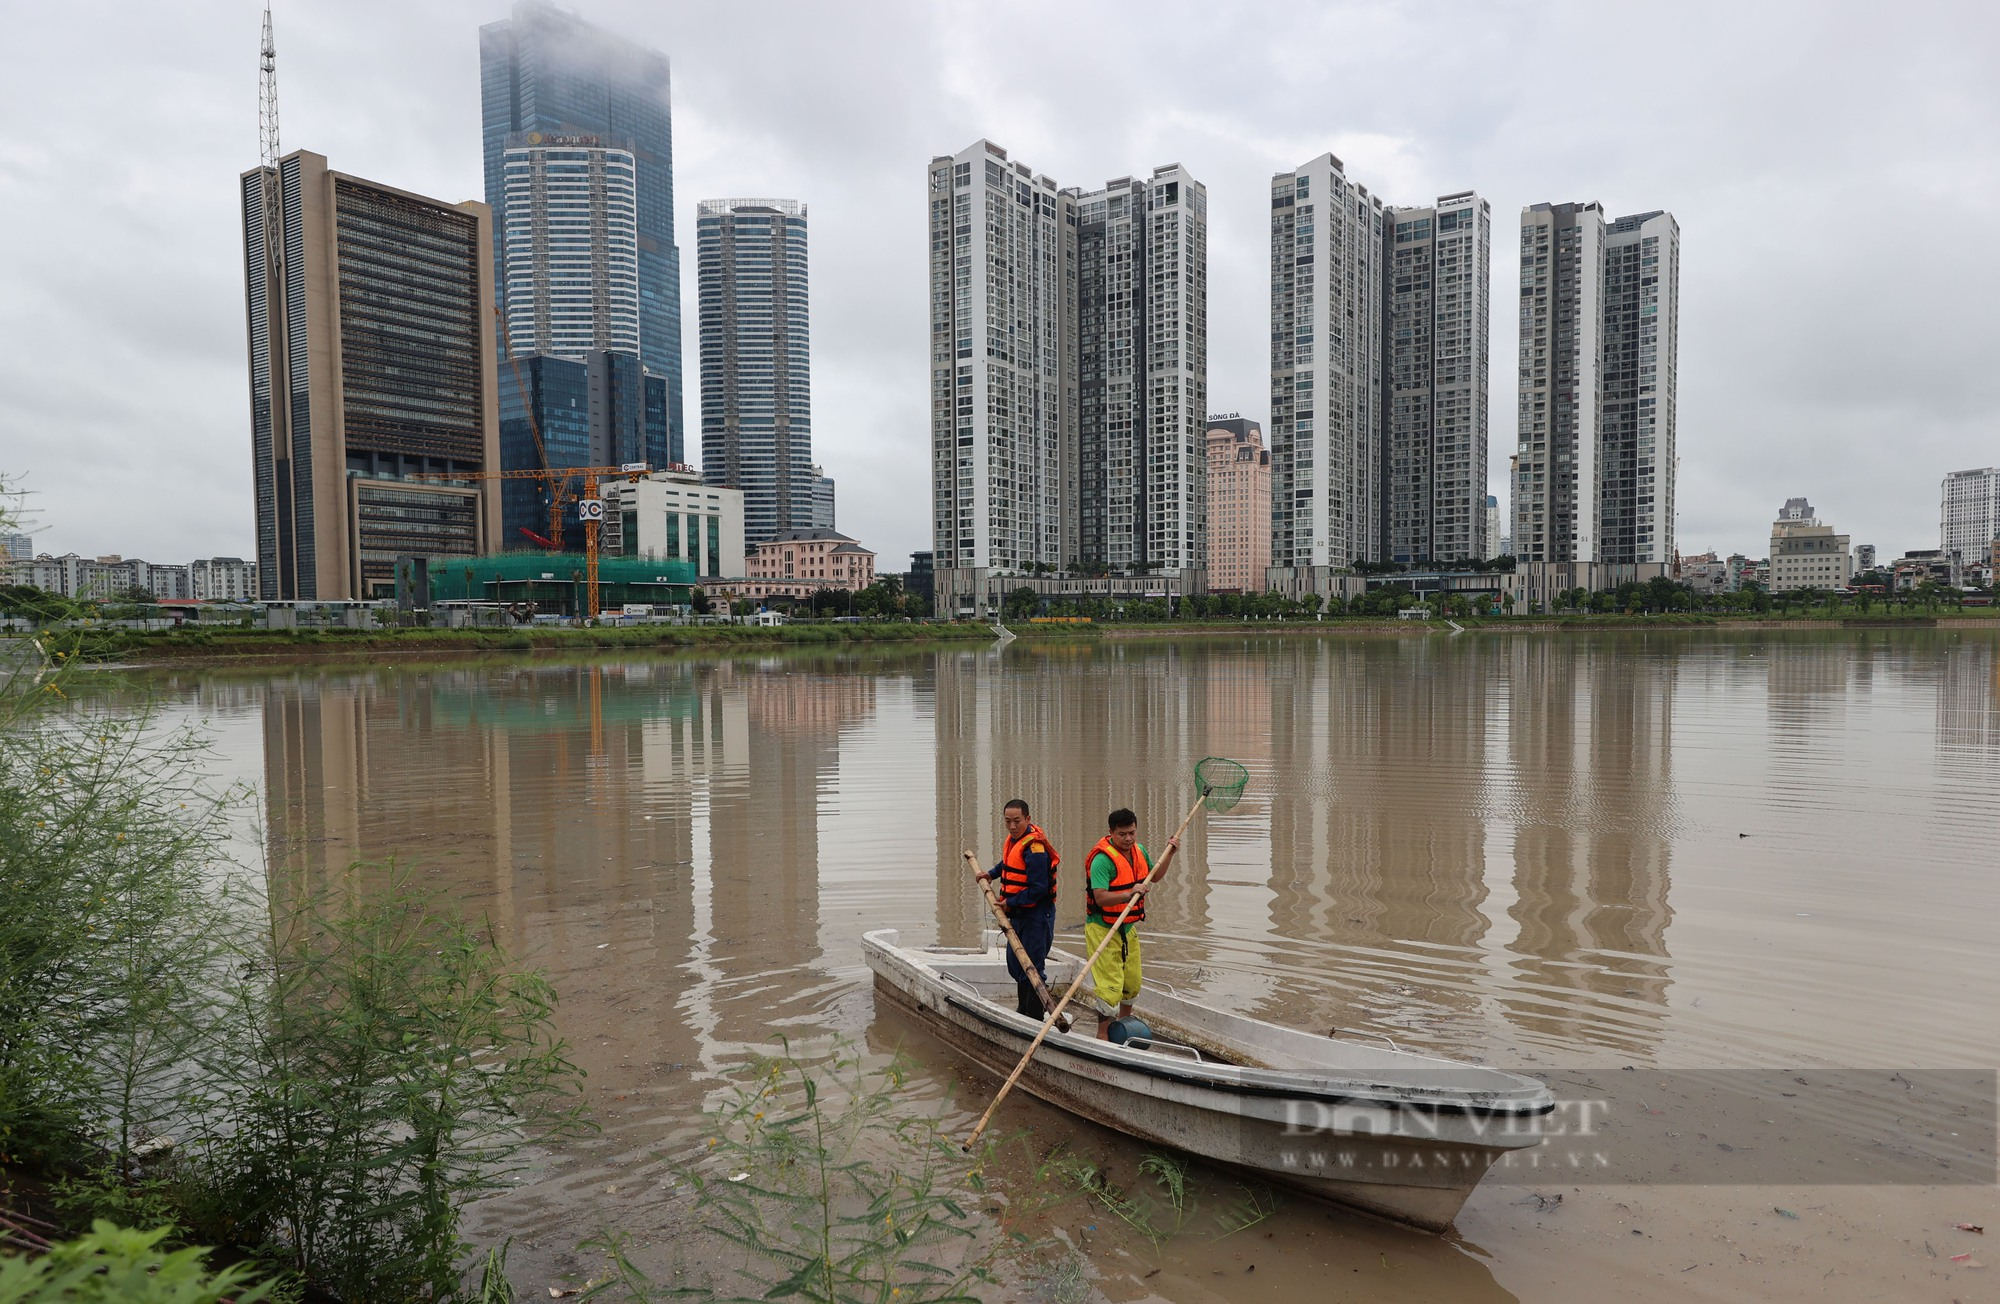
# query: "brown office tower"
1239, 505
371, 361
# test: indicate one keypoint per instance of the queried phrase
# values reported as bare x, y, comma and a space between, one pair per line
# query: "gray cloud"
1830, 164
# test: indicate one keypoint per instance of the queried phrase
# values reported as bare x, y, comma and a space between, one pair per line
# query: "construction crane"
589, 508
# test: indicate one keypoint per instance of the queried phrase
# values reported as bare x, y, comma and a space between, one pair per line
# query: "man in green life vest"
1117, 870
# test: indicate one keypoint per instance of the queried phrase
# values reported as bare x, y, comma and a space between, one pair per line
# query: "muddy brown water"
1566, 854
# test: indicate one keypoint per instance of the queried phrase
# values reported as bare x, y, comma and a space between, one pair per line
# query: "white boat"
1399, 1134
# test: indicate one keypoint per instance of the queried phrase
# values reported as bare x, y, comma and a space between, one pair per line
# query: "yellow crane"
590, 509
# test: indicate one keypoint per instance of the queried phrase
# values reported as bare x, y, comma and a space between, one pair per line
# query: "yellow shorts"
1116, 973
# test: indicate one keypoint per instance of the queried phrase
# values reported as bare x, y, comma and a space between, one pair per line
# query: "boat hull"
1358, 1148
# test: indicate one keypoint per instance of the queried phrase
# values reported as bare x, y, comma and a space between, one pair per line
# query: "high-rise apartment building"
1555, 493
17, 547
1003, 368
1142, 372
1239, 505
756, 360
371, 358
571, 108
1435, 274
1326, 368
1069, 373
1636, 459
1599, 354
1969, 514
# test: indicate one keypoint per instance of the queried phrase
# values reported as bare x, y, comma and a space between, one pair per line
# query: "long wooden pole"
1081, 974
1014, 941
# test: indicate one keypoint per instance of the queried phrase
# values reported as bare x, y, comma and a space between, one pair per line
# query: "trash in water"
1970, 1227
1786, 1212
1961, 1258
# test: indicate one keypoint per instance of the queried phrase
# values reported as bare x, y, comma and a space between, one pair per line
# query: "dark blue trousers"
1037, 931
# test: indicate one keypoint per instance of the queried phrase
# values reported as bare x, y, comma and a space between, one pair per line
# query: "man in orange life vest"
1027, 874
1117, 870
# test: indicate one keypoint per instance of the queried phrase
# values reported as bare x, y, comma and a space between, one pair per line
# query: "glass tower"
548, 74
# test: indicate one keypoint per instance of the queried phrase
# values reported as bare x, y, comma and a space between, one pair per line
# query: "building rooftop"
810, 536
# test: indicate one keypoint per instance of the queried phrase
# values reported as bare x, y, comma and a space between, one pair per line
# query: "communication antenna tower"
271, 292
267, 95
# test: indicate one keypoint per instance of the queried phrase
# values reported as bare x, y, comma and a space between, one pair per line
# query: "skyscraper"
601, 409
570, 246
756, 360
565, 105
1003, 367
823, 500
1598, 360
1142, 380
1562, 262
1326, 368
1435, 273
371, 359
1641, 341
1239, 505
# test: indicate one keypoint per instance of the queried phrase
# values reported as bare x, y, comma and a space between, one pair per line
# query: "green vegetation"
321, 1077
226, 642
1171, 1206
115, 1264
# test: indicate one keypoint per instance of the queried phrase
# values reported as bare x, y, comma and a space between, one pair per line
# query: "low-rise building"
988, 599
1806, 554
223, 579
1535, 585
673, 515
1707, 574
922, 573
73, 576
1934, 564
823, 555
1745, 571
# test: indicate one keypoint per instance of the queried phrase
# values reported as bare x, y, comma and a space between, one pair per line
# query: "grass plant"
1170, 1204
836, 1191
379, 1066
321, 1077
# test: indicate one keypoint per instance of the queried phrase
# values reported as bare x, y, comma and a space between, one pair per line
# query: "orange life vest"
1127, 874
1014, 862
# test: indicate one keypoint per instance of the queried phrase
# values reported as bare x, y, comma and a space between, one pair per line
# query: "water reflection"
1497, 845
1590, 739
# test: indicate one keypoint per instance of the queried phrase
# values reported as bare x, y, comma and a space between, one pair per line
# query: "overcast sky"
1829, 165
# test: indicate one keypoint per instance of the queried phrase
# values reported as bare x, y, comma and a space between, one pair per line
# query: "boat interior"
1201, 1034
